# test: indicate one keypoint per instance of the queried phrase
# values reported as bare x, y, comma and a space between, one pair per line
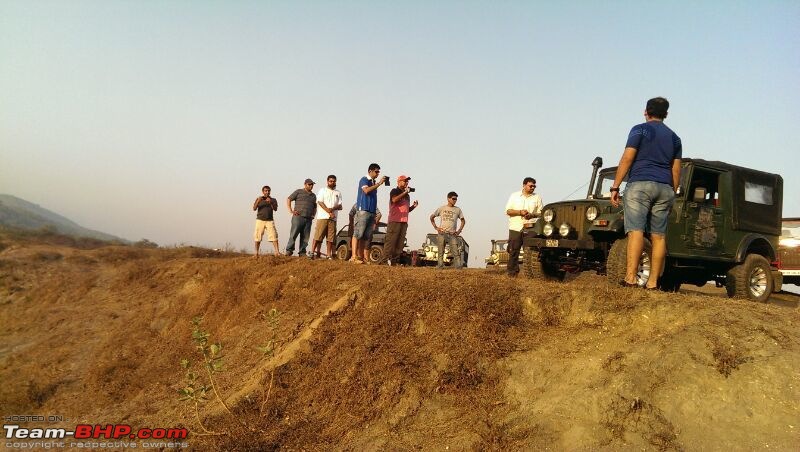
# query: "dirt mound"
374, 357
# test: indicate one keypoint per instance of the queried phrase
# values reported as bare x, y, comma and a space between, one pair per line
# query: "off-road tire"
343, 252
375, 253
752, 279
531, 265
616, 263
535, 268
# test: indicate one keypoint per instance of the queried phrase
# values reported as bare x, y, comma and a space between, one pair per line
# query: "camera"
411, 189
386, 181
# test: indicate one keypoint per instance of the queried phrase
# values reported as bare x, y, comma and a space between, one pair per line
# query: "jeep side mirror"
699, 194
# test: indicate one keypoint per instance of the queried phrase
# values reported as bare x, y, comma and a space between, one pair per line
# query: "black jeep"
724, 227
344, 250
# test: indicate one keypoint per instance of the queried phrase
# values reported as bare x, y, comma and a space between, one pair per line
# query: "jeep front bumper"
561, 243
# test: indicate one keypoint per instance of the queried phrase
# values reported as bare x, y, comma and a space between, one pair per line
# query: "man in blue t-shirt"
652, 162
364, 220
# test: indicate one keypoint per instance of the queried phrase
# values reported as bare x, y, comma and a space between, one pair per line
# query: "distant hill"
18, 213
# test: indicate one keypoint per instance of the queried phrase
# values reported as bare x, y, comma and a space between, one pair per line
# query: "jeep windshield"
604, 182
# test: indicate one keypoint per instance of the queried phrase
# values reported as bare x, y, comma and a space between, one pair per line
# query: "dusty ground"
392, 358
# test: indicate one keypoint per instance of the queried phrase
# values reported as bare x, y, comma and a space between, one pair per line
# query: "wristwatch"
613, 189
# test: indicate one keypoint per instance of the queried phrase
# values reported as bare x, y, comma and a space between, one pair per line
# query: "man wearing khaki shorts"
265, 206
329, 201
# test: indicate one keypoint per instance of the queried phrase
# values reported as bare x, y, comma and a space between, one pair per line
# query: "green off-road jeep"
724, 227
498, 255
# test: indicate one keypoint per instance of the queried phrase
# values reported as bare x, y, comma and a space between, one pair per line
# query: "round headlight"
591, 213
563, 230
548, 215
548, 229
427, 249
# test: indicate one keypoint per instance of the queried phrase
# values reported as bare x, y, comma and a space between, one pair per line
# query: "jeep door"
703, 212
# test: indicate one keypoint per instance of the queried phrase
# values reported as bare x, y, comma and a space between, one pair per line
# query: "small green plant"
273, 319
268, 350
195, 390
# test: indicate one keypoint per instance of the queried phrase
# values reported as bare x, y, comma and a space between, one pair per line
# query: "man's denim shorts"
363, 225
647, 206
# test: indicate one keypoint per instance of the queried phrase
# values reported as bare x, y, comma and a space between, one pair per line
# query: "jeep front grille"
572, 215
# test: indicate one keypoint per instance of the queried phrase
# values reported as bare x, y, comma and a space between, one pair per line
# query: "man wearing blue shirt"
652, 162
366, 205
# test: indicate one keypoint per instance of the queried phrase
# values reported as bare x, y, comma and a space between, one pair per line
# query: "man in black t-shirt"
264, 206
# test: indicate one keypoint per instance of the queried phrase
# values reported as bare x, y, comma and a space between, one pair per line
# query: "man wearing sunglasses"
523, 209
366, 207
450, 214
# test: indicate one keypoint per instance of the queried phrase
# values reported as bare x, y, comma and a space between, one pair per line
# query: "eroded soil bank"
391, 358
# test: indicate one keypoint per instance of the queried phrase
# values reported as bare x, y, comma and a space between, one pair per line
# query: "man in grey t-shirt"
448, 232
305, 206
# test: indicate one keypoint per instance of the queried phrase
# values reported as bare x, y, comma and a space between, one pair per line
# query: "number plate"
551, 242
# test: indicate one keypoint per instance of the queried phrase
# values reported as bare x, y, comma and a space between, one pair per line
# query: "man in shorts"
366, 205
652, 163
329, 203
448, 233
264, 206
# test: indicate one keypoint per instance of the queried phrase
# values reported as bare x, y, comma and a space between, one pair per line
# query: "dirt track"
393, 358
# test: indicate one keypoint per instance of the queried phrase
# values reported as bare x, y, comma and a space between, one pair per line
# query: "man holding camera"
366, 205
399, 206
523, 209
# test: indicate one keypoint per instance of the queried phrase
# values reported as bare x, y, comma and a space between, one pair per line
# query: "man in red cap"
399, 206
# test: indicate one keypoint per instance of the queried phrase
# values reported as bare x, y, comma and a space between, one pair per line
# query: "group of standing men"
364, 217
650, 164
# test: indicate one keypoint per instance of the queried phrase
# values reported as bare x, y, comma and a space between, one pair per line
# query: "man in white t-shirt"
523, 209
329, 201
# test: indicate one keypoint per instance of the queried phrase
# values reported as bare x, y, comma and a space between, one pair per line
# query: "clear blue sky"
163, 119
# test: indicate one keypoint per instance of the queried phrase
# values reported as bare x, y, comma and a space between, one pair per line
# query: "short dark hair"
451, 194
528, 179
374, 166
657, 107
331, 176
267, 187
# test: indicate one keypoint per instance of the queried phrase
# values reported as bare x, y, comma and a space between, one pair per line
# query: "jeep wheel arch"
755, 244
